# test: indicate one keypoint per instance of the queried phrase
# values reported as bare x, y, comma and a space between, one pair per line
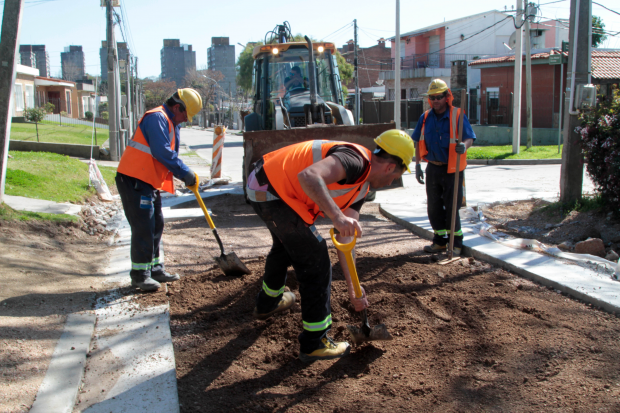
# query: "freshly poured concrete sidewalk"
407, 207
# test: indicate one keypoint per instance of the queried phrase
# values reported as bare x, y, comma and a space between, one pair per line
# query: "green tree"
35, 115
346, 72
598, 31
156, 93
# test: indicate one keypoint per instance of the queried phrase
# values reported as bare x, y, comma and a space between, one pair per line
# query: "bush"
600, 136
63, 113
89, 115
104, 115
103, 107
49, 107
35, 115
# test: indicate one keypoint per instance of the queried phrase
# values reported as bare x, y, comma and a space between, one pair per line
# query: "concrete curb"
514, 161
69, 149
59, 390
572, 280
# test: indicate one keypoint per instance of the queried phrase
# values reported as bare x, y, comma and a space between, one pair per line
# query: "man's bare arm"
314, 180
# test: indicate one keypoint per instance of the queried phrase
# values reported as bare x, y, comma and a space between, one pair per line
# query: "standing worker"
147, 166
435, 139
289, 188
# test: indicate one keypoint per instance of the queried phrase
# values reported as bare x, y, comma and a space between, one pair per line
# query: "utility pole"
397, 69
579, 35
9, 42
113, 88
129, 95
357, 84
528, 74
516, 103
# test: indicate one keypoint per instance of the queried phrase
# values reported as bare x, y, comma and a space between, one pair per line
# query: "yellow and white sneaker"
287, 301
329, 350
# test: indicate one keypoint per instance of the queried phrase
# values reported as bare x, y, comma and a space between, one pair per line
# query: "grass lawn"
49, 176
505, 152
54, 133
9, 214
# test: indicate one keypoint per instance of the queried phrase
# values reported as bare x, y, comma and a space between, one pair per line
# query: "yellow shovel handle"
346, 249
194, 189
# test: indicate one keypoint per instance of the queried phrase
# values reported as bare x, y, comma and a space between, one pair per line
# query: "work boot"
329, 349
164, 276
148, 284
288, 299
433, 249
456, 252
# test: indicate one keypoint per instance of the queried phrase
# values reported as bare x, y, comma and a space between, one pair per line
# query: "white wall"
484, 43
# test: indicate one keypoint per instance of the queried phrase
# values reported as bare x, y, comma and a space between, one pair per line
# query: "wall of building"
72, 62
545, 93
25, 95
368, 59
221, 57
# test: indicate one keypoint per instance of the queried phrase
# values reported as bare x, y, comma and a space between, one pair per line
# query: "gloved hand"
190, 179
460, 148
419, 175
358, 303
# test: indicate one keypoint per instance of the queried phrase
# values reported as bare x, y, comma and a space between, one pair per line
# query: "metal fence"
57, 118
432, 60
382, 111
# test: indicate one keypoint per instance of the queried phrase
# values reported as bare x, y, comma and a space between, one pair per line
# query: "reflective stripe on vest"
454, 116
143, 148
138, 161
283, 165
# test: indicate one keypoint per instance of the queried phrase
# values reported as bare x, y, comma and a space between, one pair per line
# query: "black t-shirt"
354, 163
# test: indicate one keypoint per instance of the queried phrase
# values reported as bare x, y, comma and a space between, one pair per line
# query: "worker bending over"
435, 138
289, 188
147, 166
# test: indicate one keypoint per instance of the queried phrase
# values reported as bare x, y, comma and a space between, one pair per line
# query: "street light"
242, 45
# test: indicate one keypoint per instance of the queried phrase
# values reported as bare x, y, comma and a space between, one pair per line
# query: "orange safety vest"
138, 162
283, 165
454, 115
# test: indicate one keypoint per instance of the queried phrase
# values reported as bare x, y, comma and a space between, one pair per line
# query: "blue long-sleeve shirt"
437, 134
155, 130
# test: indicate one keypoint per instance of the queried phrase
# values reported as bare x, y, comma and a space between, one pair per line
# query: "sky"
60, 23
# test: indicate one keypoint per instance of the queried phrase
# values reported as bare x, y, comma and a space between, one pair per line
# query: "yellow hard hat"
192, 101
437, 86
398, 143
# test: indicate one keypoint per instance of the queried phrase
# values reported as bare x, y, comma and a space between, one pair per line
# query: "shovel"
364, 332
229, 263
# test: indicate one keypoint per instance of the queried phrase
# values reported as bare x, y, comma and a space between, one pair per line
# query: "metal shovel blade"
377, 333
232, 265
367, 333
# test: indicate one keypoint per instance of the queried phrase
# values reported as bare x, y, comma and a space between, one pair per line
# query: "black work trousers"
300, 245
142, 205
439, 193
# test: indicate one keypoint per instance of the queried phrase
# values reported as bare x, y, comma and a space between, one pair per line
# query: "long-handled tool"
364, 332
455, 194
229, 263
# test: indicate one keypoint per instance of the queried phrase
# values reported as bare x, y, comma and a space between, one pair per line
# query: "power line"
613, 11
343, 27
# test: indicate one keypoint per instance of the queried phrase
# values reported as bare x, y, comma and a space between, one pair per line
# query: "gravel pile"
101, 218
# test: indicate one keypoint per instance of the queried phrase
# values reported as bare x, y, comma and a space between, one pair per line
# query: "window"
30, 96
403, 94
413, 93
68, 94
493, 98
19, 97
391, 94
85, 105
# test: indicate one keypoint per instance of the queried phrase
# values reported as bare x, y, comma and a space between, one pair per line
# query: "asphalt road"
484, 183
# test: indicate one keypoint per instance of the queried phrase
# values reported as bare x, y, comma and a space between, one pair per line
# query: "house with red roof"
549, 68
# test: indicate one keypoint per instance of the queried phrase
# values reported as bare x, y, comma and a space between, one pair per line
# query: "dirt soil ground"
467, 337
47, 271
529, 219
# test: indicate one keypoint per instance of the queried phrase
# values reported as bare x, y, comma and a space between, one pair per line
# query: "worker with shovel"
289, 188
435, 138
147, 166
